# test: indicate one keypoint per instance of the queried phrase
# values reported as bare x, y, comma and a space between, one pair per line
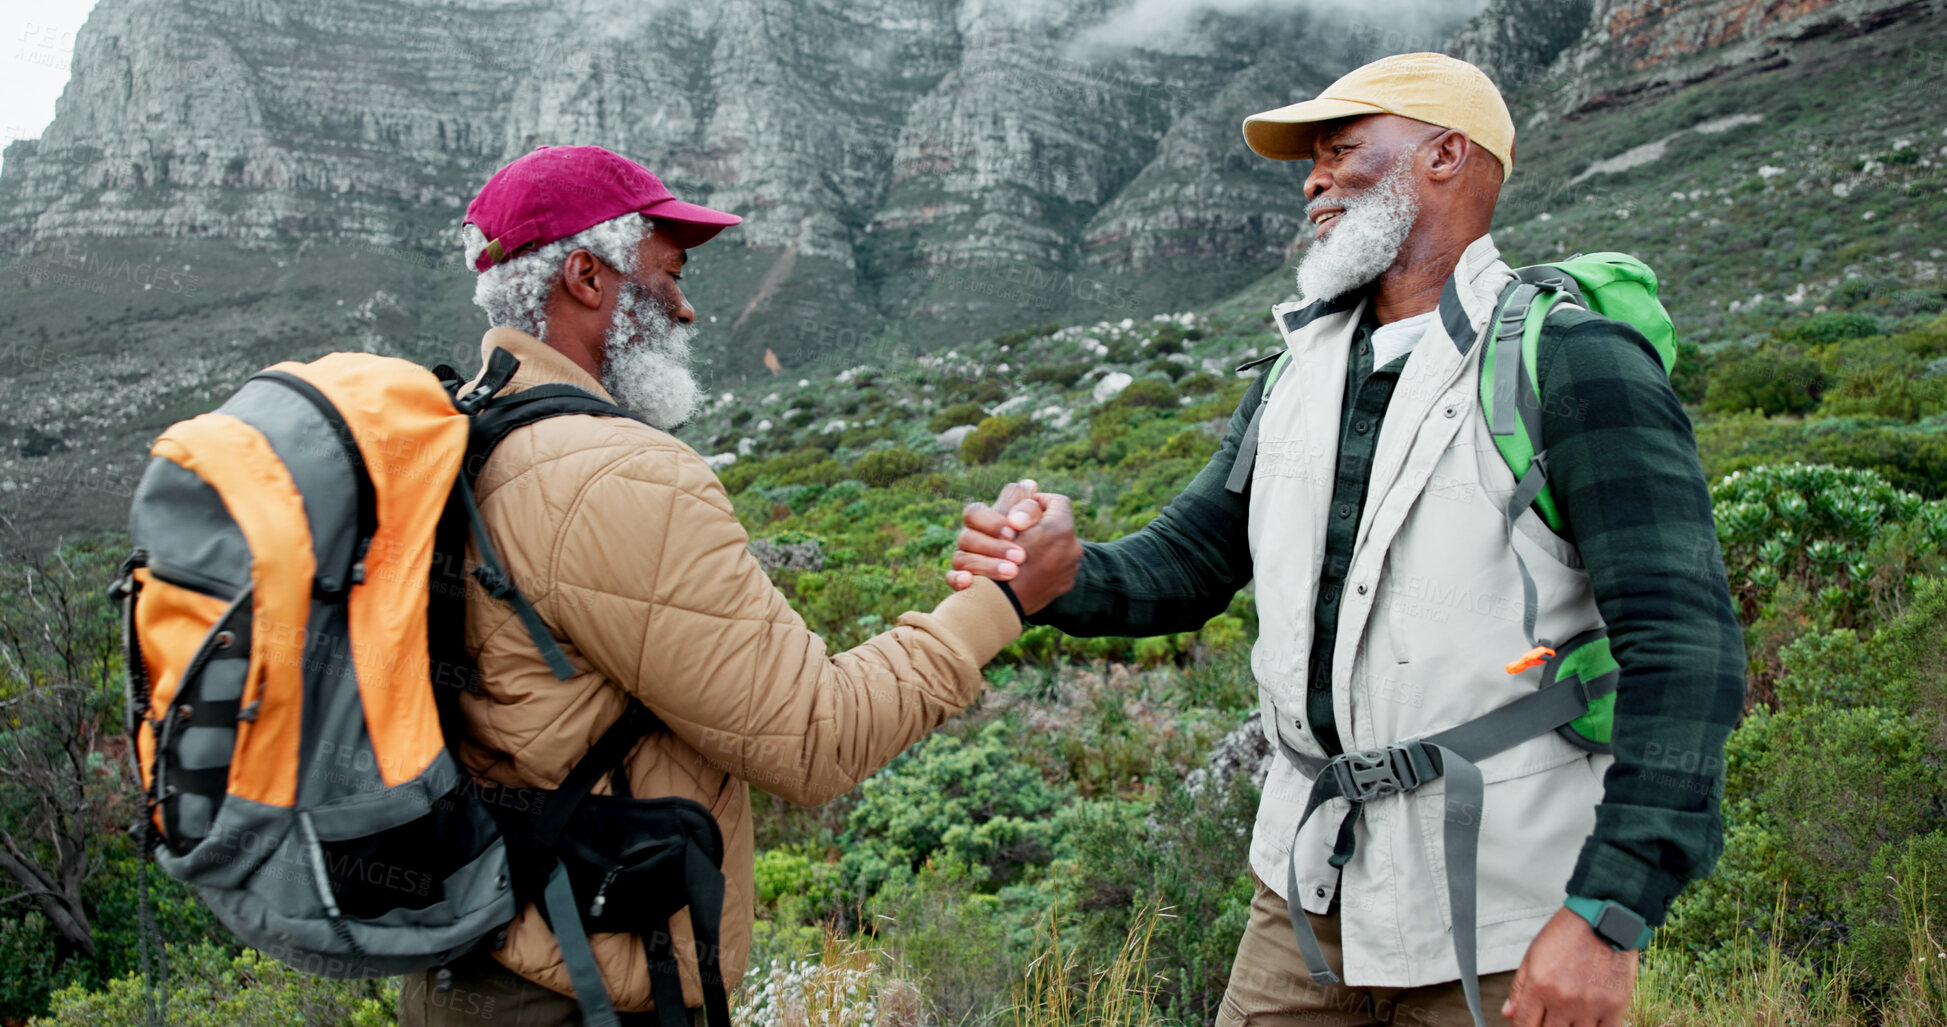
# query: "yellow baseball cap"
1430, 87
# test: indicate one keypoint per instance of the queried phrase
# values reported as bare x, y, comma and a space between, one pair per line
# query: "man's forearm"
1173, 575
1180, 570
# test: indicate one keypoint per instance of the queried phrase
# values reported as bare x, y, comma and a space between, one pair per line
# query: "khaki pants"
486, 994
1269, 986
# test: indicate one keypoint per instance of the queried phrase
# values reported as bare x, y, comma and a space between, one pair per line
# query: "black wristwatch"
1614, 923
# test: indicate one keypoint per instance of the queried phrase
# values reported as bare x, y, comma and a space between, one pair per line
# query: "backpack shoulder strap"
505, 414
494, 418
1510, 389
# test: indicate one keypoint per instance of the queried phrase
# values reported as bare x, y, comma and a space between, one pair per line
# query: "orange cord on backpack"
1532, 658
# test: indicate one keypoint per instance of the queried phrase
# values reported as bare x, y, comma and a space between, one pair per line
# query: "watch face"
1619, 926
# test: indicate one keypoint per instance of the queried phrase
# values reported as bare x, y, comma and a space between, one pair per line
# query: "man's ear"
1448, 155
581, 279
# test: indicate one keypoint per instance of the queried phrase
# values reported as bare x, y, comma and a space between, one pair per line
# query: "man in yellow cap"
1429, 849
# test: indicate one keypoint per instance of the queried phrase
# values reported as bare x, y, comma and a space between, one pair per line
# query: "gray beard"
1368, 237
646, 361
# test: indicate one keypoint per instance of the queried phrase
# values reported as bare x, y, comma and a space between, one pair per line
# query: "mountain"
887, 156
228, 183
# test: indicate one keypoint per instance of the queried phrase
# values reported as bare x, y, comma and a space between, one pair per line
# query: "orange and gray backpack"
293, 617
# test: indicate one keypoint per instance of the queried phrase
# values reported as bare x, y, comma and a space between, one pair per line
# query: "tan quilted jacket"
625, 541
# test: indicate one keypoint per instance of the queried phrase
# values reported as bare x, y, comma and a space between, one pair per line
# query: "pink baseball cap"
556, 191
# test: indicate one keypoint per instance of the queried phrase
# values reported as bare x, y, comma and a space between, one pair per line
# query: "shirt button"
1362, 590
1319, 893
1331, 596
1345, 510
1451, 411
1362, 427
1364, 348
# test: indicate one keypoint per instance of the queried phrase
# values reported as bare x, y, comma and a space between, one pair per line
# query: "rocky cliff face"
1517, 40
232, 182
892, 158
1633, 47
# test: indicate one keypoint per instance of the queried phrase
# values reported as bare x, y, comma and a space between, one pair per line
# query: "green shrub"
882, 467
209, 987
1144, 392
1834, 326
972, 799
1824, 532
1914, 461
1842, 788
1062, 375
34, 967
983, 445
1198, 384
1768, 381
1817, 547
1187, 852
956, 415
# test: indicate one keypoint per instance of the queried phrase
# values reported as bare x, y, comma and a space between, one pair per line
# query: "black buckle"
501, 366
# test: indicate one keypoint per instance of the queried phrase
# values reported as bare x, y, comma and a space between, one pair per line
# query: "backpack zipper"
195, 581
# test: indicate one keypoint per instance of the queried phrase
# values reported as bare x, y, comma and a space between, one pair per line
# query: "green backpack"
1614, 285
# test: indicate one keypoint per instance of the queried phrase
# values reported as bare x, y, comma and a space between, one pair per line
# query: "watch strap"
1613, 922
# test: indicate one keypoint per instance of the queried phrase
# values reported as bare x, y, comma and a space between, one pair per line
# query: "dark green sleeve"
1180, 569
1624, 471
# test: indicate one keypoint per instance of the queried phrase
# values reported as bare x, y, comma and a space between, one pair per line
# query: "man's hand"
987, 545
1027, 538
1570, 977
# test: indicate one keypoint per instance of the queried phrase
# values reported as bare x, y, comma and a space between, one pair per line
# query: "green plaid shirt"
1625, 475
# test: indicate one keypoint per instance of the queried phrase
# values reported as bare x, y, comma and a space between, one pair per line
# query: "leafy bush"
806, 465
1063, 375
1769, 381
1144, 392
209, 987
973, 799
1840, 789
1834, 326
1824, 532
956, 415
1820, 548
1198, 384
882, 467
1187, 853
983, 445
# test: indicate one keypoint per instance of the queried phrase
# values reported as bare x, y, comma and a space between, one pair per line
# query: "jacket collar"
1468, 298
541, 364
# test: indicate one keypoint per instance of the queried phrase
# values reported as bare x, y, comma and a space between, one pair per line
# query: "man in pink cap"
626, 545
563, 215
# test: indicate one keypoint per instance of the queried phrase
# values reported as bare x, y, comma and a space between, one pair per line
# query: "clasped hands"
1026, 539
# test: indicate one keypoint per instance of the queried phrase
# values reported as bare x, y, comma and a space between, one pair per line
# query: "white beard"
1365, 242
646, 358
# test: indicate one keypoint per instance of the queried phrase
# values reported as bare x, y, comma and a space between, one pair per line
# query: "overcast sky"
36, 48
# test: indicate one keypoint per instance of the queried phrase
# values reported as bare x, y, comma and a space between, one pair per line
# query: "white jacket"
1431, 612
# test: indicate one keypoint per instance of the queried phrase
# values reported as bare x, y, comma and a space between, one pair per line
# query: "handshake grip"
1026, 539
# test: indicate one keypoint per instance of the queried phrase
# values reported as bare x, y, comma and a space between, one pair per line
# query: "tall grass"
854, 984
1118, 995
1768, 987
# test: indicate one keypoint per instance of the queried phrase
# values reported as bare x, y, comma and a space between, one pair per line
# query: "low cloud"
1155, 23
